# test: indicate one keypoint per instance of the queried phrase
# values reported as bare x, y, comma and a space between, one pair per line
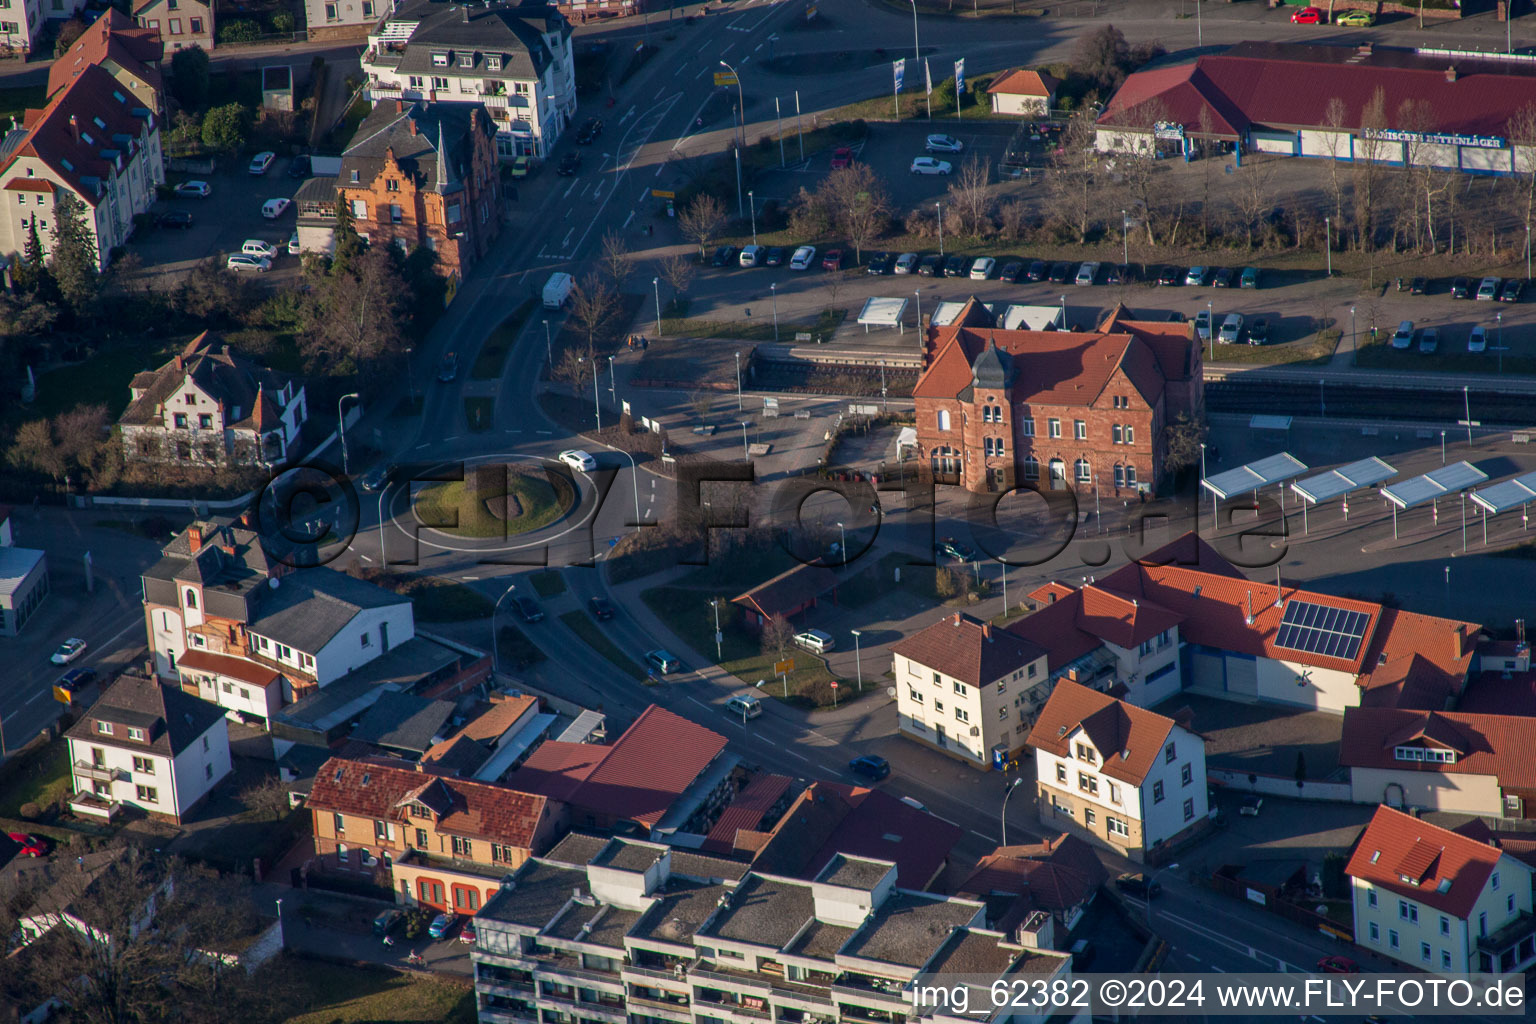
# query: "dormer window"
105, 728
1085, 753
1424, 754
135, 733
466, 60
440, 59
493, 62
99, 122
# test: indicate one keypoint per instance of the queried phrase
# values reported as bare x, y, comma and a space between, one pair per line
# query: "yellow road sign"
661, 193
783, 668
724, 78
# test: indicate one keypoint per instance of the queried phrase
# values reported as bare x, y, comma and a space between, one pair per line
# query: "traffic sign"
834, 684
784, 667
661, 193
724, 78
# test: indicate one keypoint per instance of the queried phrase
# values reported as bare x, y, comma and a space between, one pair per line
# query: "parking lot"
221, 222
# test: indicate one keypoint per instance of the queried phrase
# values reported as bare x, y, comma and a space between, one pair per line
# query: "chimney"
1046, 843
399, 106
957, 618
195, 537
1456, 643
412, 123
74, 126
986, 631
1249, 619
1450, 73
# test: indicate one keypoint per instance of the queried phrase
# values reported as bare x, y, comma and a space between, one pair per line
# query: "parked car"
803, 258
75, 680
723, 256
1114, 274
1308, 16
956, 266
943, 144
600, 608
261, 161
1039, 270
751, 255
906, 263
448, 369
1338, 965
1203, 324
982, 268
1258, 330
522, 167
948, 547
1429, 340
256, 247
871, 766
1477, 339
929, 165
1355, 19
1011, 271
239, 262
176, 219
294, 248
1223, 278
1061, 272
1196, 275
833, 260
569, 164
1231, 329
1461, 288
744, 706
31, 845
815, 640
774, 256
68, 651
386, 920
1250, 278
579, 460
1418, 286
275, 208
662, 662
1133, 883
931, 265
467, 933
300, 166
527, 608
195, 189
441, 925
842, 157
375, 479
880, 263
1489, 289
1252, 804
1512, 290
590, 129
1402, 338
1088, 273
1170, 275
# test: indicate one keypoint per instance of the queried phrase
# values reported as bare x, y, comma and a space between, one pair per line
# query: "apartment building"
1440, 900
146, 745
514, 58
642, 932
130, 54
443, 843
1116, 774
968, 689
180, 24
209, 405
97, 142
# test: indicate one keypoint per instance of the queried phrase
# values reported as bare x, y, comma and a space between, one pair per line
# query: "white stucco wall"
1324, 689
1436, 791
345, 651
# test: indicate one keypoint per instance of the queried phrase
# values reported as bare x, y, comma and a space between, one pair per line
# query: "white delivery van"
557, 291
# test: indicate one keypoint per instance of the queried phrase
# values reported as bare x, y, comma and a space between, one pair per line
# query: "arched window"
1082, 473
191, 598
986, 446
1130, 434
1115, 433
1031, 468
1119, 475
998, 446
943, 418
1130, 476
986, 414
1058, 474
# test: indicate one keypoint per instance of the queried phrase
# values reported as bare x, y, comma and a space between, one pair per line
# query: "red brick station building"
1055, 409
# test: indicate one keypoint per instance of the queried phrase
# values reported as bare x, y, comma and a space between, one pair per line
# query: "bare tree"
1138, 166
1370, 150
777, 634
860, 203
701, 402
1522, 136
701, 220
1254, 195
34, 448
970, 195
593, 301
1074, 180
1208, 166
1337, 134
570, 370
616, 260
268, 797
678, 272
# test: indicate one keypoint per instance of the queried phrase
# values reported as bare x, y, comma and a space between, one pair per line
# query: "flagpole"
928, 81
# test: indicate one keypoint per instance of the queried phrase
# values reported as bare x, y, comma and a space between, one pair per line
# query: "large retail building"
1438, 107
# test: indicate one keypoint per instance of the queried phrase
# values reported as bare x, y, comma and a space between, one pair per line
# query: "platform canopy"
1338, 482
1255, 475
1264, 421
1457, 476
883, 312
1510, 494
1033, 318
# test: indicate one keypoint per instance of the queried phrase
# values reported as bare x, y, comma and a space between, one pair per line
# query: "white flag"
928, 76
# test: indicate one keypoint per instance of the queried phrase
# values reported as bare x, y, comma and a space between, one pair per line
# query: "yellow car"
521, 167
1355, 19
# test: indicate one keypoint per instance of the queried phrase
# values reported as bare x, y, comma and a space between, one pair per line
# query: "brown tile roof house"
1397, 845
1502, 746
968, 649
1058, 874
1024, 82
1111, 725
461, 807
789, 593
127, 52
637, 778
762, 796
172, 721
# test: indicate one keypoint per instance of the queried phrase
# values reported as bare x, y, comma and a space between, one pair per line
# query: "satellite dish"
890, 691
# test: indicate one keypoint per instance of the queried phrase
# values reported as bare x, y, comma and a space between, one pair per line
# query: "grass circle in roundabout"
496, 499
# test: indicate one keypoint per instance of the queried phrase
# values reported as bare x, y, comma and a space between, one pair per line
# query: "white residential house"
968, 689
515, 58
1440, 900
23, 23
95, 141
343, 20
146, 745
1114, 773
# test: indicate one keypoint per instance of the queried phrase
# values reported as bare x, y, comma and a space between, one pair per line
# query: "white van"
557, 290
744, 706
751, 255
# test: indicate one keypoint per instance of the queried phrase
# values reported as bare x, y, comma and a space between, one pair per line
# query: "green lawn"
448, 502
548, 583
102, 379
311, 992
41, 782
15, 101
1314, 351
581, 624
493, 353
826, 322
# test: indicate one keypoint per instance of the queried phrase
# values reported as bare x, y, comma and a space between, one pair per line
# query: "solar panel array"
1319, 629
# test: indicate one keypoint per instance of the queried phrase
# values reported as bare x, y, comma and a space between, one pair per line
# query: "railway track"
1322, 398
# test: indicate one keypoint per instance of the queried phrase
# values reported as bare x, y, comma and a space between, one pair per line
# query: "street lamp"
613, 395
745, 448
939, 207
1210, 327
858, 666
1499, 319
741, 106
495, 648
549, 347
738, 382
1354, 343
1006, 794
714, 603
1125, 238
917, 296
773, 291
843, 542
343, 426
656, 284
752, 202
1328, 243
916, 50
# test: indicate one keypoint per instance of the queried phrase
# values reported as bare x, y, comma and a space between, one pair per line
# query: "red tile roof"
1128, 739
1123, 621
225, 665
1501, 746
1067, 368
789, 591
746, 811
1059, 873
1023, 82
114, 37
1180, 94
1395, 844
637, 777
1416, 660
494, 721
478, 810
969, 649
29, 185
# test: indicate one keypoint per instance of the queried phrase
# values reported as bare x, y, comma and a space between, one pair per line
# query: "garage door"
1274, 142
1205, 668
1242, 676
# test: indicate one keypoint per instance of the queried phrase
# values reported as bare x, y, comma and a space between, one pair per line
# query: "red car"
31, 846
1308, 16
1338, 965
833, 260
842, 156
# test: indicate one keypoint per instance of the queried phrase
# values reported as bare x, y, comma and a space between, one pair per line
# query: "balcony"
886, 996
673, 977
751, 1007
1509, 948
99, 772
506, 1015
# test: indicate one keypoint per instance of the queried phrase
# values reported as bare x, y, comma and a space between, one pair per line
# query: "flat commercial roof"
1457, 476
883, 312
1507, 495
1338, 482
1032, 318
1271, 470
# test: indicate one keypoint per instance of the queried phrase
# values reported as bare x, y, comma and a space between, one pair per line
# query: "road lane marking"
34, 697
364, 557
793, 753
978, 835
628, 219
